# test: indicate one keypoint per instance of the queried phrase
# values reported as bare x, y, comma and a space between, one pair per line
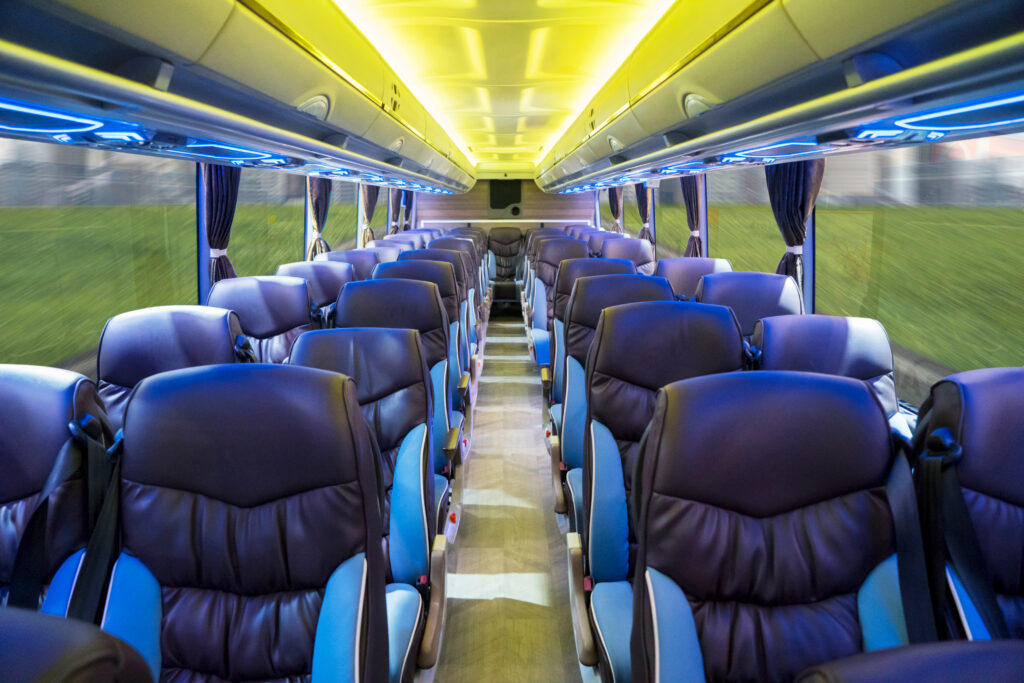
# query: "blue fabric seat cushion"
611, 605
404, 608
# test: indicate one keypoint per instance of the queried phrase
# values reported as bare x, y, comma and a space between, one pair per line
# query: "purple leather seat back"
388, 251
637, 349
478, 236
751, 296
38, 403
571, 270
440, 273
456, 258
532, 235
362, 260
832, 345
685, 272
596, 241
463, 244
138, 344
506, 243
325, 278
640, 252
272, 309
788, 515
593, 294
983, 411
415, 240
411, 304
550, 254
243, 514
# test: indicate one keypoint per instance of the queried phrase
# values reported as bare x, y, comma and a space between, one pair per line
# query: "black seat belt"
910, 555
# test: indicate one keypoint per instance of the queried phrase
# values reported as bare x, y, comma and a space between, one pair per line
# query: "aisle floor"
508, 600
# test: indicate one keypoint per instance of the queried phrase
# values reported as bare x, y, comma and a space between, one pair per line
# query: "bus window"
84, 235
269, 222
928, 240
741, 226
341, 229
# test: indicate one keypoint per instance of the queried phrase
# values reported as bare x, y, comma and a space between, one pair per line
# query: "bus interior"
511, 340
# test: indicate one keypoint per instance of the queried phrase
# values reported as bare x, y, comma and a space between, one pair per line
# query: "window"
269, 222
930, 241
84, 235
631, 223
379, 224
340, 231
670, 219
741, 226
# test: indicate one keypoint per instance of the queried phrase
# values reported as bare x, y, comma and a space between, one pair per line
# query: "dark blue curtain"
394, 209
615, 204
318, 194
409, 200
792, 190
369, 194
691, 198
643, 207
220, 192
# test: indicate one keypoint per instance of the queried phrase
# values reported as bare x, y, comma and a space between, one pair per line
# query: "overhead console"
720, 83
261, 83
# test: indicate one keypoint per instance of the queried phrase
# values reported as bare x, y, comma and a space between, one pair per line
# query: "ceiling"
504, 77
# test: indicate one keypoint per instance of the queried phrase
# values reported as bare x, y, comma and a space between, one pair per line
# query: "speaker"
506, 197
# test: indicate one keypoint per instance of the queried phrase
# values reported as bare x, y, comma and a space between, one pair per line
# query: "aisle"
508, 601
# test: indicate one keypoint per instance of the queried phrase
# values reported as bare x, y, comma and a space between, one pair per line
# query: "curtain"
394, 208
318, 196
409, 199
792, 191
643, 207
615, 204
368, 194
691, 198
220, 196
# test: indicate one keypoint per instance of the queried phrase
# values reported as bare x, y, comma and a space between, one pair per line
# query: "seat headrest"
463, 244
767, 443
685, 272
551, 253
267, 305
441, 273
591, 295
982, 409
640, 252
411, 304
751, 296
505, 235
596, 240
414, 240
571, 270
388, 251
38, 403
137, 344
456, 258
325, 278
362, 260
831, 345
185, 430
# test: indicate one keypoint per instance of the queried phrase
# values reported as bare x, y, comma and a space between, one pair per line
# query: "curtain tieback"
798, 250
215, 253
695, 233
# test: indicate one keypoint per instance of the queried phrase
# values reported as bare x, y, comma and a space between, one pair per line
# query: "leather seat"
569, 271
387, 251
969, 450
137, 344
791, 516
273, 311
506, 243
38, 648
590, 296
640, 252
685, 272
832, 345
637, 349
459, 261
530, 286
474, 294
325, 278
363, 260
751, 296
596, 241
38, 405
995, 662
550, 253
414, 240
252, 538
411, 304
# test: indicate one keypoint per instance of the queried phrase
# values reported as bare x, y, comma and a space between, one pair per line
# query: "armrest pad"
555, 446
450, 447
545, 383
464, 382
580, 617
545, 374
430, 643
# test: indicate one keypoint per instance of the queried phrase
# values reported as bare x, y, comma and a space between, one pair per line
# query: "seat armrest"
555, 449
545, 383
450, 448
581, 628
430, 643
464, 391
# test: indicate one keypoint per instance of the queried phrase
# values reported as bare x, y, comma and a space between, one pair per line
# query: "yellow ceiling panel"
504, 77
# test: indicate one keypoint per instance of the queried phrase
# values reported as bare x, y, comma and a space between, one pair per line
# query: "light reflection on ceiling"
504, 77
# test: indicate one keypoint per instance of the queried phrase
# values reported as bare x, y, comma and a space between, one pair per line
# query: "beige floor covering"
508, 603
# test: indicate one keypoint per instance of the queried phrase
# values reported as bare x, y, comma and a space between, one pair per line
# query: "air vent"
615, 144
694, 105
317, 106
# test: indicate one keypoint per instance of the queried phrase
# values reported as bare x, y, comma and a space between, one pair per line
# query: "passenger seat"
550, 253
751, 296
363, 260
325, 278
640, 252
684, 273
